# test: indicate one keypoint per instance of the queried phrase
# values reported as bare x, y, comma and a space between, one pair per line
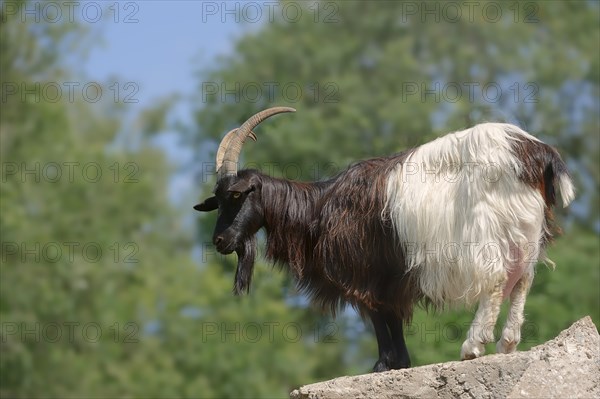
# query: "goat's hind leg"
481, 331
511, 333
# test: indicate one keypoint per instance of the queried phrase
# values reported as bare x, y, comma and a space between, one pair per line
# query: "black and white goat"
461, 219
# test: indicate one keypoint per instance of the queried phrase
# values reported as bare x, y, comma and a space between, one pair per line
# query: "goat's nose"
217, 240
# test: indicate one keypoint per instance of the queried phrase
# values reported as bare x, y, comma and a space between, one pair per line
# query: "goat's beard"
243, 275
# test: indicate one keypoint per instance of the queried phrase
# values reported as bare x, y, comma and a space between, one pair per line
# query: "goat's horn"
231, 153
225, 143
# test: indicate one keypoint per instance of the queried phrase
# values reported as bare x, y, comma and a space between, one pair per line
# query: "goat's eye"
236, 195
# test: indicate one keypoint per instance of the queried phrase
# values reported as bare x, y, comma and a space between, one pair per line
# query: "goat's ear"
209, 204
242, 186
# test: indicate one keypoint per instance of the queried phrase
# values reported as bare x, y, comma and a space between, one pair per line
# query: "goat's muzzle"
222, 246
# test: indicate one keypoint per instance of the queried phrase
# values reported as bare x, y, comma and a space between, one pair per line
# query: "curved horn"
234, 147
225, 142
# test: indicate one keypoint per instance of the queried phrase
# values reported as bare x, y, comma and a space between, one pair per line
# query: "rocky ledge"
567, 366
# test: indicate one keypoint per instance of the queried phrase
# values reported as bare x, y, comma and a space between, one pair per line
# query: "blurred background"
110, 116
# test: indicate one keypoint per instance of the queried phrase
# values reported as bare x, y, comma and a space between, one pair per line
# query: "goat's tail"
556, 174
542, 167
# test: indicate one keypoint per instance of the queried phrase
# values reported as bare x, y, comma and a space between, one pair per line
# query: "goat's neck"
289, 210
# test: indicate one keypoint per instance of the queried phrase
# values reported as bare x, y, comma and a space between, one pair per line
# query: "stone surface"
567, 366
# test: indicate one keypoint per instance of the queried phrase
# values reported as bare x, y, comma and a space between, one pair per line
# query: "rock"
567, 366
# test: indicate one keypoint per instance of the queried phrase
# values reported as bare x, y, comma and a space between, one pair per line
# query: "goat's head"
237, 196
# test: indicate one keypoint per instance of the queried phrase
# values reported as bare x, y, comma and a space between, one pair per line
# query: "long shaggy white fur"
463, 215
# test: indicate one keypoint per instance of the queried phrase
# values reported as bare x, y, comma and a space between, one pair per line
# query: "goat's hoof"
506, 346
390, 364
381, 366
399, 366
471, 350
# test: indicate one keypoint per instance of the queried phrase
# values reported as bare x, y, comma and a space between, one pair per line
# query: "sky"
161, 51
160, 46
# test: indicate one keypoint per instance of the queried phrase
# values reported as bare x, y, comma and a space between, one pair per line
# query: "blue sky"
162, 50
161, 53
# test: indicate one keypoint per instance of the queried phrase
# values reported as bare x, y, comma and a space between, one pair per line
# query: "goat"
388, 233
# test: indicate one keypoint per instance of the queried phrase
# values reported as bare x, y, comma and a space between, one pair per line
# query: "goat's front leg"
402, 359
384, 343
481, 331
511, 333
